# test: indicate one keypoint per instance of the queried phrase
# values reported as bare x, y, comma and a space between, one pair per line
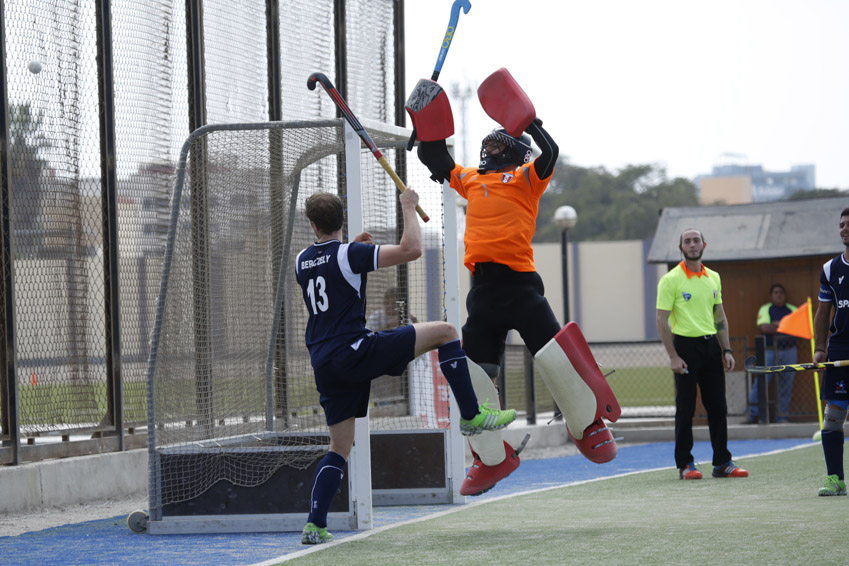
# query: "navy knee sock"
455, 368
832, 447
328, 477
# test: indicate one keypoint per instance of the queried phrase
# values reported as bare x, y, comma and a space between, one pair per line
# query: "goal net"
231, 393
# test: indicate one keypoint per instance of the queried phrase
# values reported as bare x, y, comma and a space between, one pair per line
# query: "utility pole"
463, 94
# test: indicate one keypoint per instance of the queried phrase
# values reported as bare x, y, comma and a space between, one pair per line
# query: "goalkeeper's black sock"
455, 368
832, 448
328, 477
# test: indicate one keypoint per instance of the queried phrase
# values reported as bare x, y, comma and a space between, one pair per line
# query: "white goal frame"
359, 479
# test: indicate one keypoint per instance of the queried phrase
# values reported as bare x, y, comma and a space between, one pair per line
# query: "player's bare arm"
410, 247
822, 318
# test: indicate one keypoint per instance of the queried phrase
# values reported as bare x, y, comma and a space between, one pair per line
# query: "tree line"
621, 205
624, 205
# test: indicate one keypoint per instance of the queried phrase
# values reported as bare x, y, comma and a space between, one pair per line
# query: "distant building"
743, 184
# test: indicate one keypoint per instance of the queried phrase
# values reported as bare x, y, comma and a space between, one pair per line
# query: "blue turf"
109, 541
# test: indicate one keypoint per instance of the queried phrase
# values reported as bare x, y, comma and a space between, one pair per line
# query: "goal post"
235, 428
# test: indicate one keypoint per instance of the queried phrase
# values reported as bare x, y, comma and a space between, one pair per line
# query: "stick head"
319, 77
455, 8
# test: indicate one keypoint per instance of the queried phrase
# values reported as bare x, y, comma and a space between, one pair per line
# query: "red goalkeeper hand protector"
505, 102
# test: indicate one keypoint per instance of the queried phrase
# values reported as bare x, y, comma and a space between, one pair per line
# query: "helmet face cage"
517, 151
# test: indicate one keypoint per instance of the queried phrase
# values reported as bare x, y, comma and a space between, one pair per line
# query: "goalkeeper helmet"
499, 149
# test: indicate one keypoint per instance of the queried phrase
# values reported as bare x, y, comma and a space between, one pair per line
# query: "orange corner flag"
797, 323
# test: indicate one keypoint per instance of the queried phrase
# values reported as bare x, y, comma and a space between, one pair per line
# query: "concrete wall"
612, 289
73, 481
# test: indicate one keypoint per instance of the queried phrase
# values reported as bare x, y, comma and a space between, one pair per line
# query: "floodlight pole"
565, 217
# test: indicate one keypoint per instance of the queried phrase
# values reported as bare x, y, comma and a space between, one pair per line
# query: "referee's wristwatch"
728, 351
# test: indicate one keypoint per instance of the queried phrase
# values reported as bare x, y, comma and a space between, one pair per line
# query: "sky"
684, 84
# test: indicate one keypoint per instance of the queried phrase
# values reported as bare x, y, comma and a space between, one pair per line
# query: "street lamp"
565, 217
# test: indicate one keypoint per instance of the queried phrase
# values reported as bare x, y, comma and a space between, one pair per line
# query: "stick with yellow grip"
361, 131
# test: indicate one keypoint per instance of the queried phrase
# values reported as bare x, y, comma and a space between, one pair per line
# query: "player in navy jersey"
834, 296
346, 356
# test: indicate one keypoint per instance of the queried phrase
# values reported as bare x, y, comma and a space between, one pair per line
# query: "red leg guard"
572, 340
577, 385
597, 444
481, 478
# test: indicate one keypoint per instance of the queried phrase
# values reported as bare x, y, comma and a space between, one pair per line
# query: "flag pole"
816, 373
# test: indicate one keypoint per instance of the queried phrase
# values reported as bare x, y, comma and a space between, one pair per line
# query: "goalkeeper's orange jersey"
501, 216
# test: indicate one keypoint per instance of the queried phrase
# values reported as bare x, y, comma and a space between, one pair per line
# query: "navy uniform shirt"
332, 276
834, 289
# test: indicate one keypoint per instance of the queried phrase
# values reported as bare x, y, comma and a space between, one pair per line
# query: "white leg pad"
489, 446
574, 379
576, 400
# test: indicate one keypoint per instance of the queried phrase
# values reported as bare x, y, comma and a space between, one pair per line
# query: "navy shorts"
835, 381
344, 382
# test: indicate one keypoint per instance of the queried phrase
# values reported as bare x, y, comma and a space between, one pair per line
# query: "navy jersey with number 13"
332, 276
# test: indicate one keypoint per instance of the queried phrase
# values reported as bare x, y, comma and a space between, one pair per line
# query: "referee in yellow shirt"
694, 330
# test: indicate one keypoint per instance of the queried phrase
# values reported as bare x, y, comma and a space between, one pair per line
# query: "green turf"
77, 403
643, 386
634, 387
772, 517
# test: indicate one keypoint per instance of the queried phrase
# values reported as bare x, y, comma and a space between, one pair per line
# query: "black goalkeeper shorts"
500, 300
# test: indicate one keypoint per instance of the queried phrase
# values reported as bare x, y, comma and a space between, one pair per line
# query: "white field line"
456, 508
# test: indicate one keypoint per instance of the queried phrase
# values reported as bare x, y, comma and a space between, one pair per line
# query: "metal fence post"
10, 423
109, 203
530, 388
763, 404
501, 379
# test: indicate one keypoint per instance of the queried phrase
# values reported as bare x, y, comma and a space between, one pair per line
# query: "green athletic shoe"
487, 418
833, 486
315, 535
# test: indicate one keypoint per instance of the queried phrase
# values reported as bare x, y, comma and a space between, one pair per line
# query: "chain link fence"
639, 374
98, 99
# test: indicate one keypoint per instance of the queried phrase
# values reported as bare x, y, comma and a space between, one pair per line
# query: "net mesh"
55, 167
233, 395
56, 225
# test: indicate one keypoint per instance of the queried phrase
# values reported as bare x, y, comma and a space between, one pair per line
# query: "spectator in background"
391, 313
780, 350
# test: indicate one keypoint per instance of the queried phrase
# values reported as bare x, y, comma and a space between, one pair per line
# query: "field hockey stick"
752, 368
449, 34
465, 5
361, 131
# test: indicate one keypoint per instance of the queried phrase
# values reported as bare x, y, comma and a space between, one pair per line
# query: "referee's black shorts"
502, 299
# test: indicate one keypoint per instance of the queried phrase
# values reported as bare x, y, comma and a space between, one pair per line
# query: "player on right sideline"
503, 194
834, 296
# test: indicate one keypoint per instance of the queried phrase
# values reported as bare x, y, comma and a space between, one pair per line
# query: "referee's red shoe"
689, 472
729, 470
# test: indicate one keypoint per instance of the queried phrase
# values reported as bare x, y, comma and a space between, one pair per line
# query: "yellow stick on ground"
816, 373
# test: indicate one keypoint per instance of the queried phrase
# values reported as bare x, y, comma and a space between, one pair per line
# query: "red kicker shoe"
598, 444
481, 478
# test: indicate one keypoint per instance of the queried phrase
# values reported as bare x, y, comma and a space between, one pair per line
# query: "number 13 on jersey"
318, 297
